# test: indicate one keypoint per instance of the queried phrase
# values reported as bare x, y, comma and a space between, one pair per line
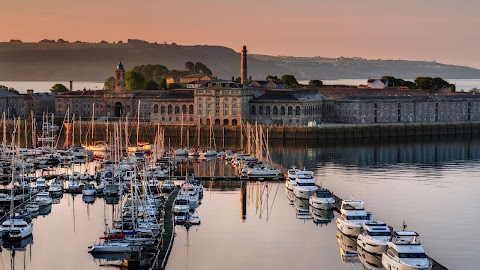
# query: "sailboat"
181, 151
210, 152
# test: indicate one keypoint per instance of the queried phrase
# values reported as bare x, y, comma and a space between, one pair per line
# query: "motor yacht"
405, 252
291, 177
374, 237
15, 228
322, 199
43, 199
56, 189
305, 186
182, 204
110, 247
352, 218
168, 186
262, 172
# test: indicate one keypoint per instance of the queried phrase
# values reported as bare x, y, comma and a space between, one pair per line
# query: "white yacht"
182, 204
374, 237
192, 193
262, 172
322, 199
110, 247
352, 218
41, 183
15, 228
291, 178
405, 253
305, 186
43, 199
56, 189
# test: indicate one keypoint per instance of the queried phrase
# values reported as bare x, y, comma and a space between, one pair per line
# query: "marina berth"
374, 237
322, 199
43, 199
405, 253
352, 218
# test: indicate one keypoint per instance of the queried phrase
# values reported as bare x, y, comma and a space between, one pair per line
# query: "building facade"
407, 109
285, 107
222, 103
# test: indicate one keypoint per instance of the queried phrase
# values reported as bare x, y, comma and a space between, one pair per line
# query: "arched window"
297, 110
217, 122
234, 122
169, 108
282, 110
177, 109
162, 109
253, 110
225, 122
267, 110
290, 110
184, 108
155, 108
190, 109
275, 110
260, 110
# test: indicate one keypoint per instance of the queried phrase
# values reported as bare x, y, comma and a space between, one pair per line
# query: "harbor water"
431, 185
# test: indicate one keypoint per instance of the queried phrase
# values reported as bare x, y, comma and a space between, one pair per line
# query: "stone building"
287, 107
13, 105
36, 104
222, 103
171, 106
407, 109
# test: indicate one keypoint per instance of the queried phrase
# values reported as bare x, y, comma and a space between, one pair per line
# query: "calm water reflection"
432, 185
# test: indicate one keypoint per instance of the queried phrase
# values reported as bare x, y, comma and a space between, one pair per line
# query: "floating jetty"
166, 242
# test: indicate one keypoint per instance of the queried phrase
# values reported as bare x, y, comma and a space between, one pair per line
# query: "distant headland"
61, 60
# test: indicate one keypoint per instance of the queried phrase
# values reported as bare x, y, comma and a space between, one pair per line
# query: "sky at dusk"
443, 30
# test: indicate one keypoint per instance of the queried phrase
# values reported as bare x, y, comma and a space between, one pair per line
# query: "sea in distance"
39, 86
430, 184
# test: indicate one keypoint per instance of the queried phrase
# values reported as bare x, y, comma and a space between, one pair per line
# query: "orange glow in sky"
441, 30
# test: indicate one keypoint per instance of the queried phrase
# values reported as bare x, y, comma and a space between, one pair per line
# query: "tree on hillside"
151, 72
134, 80
16, 40
289, 80
315, 83
109, 83
151, 85
190, 66
9, 89
201, 68
59, 88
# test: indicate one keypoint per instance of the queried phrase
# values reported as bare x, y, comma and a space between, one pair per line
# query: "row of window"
173, 109
275, 110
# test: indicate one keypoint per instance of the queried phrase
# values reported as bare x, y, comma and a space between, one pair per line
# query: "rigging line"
273, 201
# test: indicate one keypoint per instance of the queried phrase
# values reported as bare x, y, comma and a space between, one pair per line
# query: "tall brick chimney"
71, 85
30, 92
243, 66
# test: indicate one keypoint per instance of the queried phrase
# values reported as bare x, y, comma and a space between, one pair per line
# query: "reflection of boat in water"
369, 261
17, 244
301, 208
43, 211
321, 216
348, 247
290, 196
